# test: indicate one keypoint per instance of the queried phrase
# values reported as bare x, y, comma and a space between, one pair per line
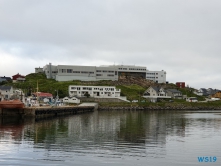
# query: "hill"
131, 87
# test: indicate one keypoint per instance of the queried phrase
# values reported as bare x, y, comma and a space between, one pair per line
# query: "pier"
47, 111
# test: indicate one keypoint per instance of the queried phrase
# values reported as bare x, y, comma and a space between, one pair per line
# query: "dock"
48, 111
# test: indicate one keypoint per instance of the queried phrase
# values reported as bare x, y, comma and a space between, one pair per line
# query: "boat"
11, 104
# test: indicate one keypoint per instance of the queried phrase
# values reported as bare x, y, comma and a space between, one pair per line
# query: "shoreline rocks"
159, 108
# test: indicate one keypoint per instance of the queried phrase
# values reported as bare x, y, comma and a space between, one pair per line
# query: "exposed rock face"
123, 80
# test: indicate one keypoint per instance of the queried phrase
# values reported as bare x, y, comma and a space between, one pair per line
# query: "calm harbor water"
113, 138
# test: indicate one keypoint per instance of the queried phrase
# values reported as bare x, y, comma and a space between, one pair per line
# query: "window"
76, 71
84, 72
98, 71
110, 75
63, 70
69, 70
99, 74
104, 71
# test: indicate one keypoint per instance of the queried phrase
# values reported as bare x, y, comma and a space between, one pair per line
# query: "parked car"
134, 101
192, 99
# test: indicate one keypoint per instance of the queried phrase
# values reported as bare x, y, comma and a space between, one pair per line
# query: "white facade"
73, 100
94, 91
192, 99
153, 93
92, 73
156, 76
96, 73
6, 92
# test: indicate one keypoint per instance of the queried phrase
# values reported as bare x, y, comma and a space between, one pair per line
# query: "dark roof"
203, 90
174, 90
156, 88
5, 87
7, 78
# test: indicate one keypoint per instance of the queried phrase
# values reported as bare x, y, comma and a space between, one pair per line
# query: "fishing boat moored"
11, 104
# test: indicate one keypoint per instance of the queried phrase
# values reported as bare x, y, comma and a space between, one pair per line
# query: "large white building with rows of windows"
96, 73
156, 76
94, 91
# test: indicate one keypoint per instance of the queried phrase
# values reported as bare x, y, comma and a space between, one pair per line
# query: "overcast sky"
182, 37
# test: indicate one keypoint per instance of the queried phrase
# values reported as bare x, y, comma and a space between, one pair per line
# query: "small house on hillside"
180, 84
201, 92
174, 93
217, 95
153, 93
5, 79
18, 78
6, 92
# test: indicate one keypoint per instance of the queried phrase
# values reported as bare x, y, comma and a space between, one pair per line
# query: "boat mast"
37, 90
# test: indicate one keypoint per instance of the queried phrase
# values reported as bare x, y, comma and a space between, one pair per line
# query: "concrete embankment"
49, 111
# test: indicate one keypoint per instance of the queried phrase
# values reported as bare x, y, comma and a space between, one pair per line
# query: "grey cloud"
181, 37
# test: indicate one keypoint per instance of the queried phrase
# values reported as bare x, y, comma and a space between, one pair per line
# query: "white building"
6, 92
92, 73
153, 93
71, 100
156, 76
94, 91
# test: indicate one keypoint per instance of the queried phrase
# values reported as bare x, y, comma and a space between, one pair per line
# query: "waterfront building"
6, 92
73, 100
42, 95
154, 93
174, 93
94, 91
96, 73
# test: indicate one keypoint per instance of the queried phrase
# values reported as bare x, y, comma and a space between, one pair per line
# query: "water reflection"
113, 134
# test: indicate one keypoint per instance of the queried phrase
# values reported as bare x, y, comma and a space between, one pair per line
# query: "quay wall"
47, 111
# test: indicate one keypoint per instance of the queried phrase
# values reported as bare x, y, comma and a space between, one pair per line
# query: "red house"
42, 95
18, 77
180, 84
